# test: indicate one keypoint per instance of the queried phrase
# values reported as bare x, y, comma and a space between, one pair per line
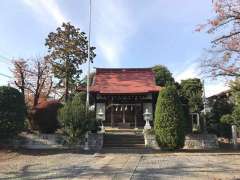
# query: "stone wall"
41, 141
95, 141
201, 141
54, 141
150, 140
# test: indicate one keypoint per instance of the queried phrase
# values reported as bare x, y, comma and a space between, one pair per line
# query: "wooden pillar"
95, 103
142, 119
112, 120
135, 116
124, 119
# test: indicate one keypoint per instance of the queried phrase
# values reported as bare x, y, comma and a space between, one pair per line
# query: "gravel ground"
73, 165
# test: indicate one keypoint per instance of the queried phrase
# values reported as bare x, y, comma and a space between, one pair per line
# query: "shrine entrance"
124, 115
124, 111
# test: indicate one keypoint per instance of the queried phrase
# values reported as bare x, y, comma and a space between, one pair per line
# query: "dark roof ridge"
122, 69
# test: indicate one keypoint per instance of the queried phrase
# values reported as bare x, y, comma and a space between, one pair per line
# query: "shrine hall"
122, 96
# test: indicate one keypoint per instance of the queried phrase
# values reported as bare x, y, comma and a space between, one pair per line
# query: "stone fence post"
234, 136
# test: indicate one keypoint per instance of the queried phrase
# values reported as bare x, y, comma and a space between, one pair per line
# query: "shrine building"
122, 96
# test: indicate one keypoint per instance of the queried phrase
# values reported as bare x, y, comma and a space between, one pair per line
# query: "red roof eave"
124, 81
156, 90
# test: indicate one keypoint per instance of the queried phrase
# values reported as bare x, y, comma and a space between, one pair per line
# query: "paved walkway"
73, 166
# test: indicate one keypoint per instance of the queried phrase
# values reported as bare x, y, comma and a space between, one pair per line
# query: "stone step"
127, 150
120, 139
121, 135
124, 145
123, 130
124, 140
124, 135
128, 143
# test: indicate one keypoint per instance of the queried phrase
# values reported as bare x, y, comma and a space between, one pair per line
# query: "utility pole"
88, 68
86, 147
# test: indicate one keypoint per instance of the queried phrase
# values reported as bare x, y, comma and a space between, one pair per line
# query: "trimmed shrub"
43, 117
169, 122
12, 112
228, 120
236, 116
74, 120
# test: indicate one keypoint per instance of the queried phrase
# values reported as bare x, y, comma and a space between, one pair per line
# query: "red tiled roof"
124, 81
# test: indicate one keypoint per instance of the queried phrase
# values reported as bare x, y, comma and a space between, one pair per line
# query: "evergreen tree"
192, 90
68, 49
12, 112
162, 75
74, 119
169, 122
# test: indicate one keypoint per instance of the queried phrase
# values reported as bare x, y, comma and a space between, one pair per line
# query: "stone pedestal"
150, 140
201, 141
234, 136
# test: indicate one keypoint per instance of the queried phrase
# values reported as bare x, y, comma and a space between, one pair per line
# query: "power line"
4, 59
5, 62
1, 74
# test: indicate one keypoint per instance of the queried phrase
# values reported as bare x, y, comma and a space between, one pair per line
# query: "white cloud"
112, 25
192, 71
112, 28
109, 52
211, 86
45, 9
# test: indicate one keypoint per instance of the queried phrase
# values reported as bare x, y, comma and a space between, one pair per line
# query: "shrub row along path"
70, 165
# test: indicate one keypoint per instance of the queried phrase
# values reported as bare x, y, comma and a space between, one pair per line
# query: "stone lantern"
147, 117
100, 116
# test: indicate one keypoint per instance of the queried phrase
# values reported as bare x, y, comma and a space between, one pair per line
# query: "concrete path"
214, 166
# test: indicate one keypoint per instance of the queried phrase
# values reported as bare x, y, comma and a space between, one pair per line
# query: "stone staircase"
124, 139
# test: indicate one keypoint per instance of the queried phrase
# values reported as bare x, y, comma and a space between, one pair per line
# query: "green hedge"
75, 121
12, 112
169, 122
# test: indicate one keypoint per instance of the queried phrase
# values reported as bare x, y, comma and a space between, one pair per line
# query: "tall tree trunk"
66, 82
23, 87
66, 89
35, 101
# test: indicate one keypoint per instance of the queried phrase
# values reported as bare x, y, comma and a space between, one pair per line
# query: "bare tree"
20, 74
224, 58
33, 78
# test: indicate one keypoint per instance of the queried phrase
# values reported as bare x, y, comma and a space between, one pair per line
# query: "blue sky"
136, 33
